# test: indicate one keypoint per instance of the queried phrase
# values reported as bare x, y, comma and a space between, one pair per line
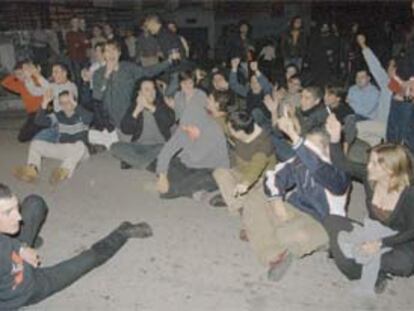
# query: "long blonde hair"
396, 160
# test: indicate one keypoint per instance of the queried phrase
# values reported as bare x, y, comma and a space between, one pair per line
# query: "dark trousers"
53, 279
399, 261
185, 181
29, 129
399, 122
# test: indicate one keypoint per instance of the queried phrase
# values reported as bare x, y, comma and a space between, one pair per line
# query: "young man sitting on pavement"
23, 281
149, 121
253, 156
72, 124
25, 74
285, 222
311, 116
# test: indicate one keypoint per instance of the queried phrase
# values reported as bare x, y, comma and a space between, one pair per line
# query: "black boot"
108, 246
217, 201
139, 230
125, 166
381, 283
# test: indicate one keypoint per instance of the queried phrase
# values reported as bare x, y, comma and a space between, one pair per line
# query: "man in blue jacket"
284, 222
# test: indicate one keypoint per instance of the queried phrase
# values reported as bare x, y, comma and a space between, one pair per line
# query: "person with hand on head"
72, 124
24, 76
253, 154
149, 120
23, 280
253, 92
311, 116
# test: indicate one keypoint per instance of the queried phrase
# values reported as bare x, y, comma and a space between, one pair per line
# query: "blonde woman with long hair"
390, 205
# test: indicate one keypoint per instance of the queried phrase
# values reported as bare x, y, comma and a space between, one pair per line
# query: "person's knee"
80, 148
115, 147
397, 263
118, 149
218, 173
36, 204
23, 137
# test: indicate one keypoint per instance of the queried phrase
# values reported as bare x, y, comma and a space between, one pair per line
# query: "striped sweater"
71, 129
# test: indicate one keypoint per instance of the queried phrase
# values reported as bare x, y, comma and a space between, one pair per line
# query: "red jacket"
13, 84
77, 44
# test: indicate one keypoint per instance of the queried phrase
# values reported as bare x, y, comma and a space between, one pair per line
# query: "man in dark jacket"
311, 116
168, 41
114, 83
149, 121
22, 282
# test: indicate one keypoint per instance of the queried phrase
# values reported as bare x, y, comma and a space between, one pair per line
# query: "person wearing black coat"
149, 120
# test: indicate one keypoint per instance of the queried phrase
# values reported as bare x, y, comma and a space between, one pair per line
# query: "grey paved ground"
194, 262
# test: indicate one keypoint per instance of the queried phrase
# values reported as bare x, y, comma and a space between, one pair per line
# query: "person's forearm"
236, 86
375, 67
42, 119
398, 239
154, 70
34, 89
264, 83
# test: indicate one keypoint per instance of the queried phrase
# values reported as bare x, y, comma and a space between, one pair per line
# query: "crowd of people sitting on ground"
277, 151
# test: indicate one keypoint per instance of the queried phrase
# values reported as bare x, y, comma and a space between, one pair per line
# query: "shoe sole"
28, 179
277, 273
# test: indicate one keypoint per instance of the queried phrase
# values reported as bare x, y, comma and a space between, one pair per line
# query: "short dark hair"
223, 98
220, 72
20, 64
63, 66
296, 76
186, 75
141, 81
336, 90
315, 91
5, 192
362, 69
64, 93
114, 43
241, 121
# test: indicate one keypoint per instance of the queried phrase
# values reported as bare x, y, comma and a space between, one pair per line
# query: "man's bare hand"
30, 256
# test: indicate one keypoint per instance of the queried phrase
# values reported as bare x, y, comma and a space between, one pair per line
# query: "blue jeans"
400, 127
50, 135
137, 155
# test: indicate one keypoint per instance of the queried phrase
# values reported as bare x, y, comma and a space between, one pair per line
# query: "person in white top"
60, 82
